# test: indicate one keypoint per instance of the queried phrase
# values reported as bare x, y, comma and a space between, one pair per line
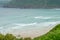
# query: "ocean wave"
42, 17
26, 24
46, 17
56, 9
29, 25
1, 27
19, 26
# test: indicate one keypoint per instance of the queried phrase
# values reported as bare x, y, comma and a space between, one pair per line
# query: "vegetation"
34, 4
12, 37
53, 34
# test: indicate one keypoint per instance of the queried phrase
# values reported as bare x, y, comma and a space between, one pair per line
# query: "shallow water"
25, 19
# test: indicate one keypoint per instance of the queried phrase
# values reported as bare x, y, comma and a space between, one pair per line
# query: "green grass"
53, 34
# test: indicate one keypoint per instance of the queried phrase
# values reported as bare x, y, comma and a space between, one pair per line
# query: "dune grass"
53, 34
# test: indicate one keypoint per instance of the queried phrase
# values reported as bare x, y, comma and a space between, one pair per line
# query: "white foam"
30, 26
33, 25
26, 24
42, 17
19, 25
46, 17
1, 27
56, 8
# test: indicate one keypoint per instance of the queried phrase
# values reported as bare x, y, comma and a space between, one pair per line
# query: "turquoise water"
14, 19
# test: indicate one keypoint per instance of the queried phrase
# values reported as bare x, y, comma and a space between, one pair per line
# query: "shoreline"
32, 32
52, 34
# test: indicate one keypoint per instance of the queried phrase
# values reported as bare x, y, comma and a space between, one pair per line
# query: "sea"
25, 19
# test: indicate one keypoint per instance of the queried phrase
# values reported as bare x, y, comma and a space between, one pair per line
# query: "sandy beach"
31, 32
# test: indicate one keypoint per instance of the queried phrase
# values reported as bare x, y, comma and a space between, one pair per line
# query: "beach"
32, 32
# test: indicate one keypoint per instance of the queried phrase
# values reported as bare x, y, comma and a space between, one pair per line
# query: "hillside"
2, 3
53, 34
33, 4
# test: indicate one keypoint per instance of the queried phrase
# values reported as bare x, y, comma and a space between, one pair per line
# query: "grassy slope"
53, 34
